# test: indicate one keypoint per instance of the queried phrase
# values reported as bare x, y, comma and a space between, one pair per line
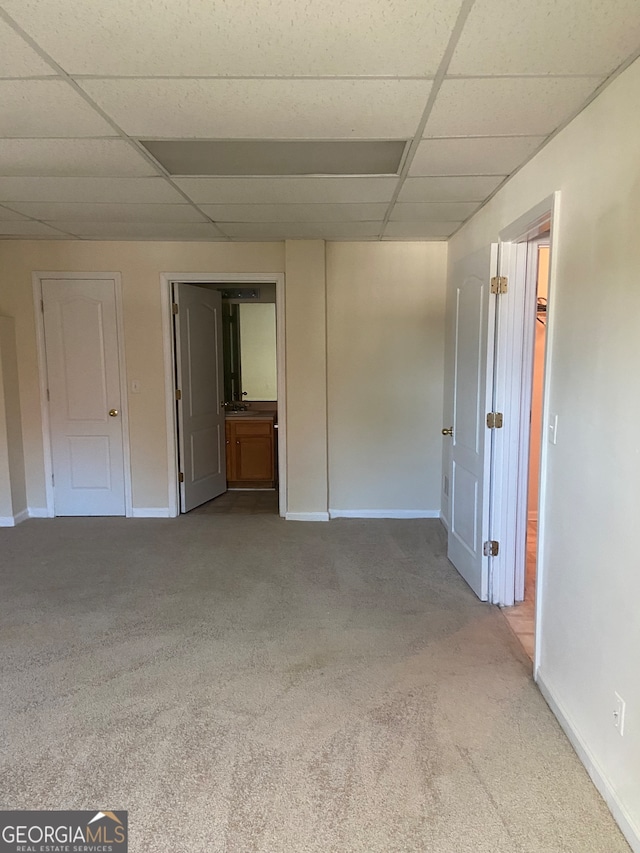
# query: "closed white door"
200, 377
83, 377
471, 451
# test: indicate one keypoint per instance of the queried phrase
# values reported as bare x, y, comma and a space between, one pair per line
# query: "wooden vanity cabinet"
250, 453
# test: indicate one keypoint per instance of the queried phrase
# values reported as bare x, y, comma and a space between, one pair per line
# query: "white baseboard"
627, 825
445, 521
12, 520
307, 516
384, 513
151, 512
39, 512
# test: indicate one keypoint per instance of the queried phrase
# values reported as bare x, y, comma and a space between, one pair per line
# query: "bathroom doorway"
253, 422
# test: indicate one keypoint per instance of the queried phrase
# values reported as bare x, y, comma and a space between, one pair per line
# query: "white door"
83, 376
199, 368
471, 454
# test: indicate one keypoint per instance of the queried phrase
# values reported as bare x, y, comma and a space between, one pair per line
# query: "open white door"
83, 381
200, 378
472, 390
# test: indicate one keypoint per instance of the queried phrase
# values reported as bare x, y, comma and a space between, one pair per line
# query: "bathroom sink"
248, 414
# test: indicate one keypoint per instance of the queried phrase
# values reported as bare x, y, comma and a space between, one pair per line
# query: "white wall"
385, 333
590, 583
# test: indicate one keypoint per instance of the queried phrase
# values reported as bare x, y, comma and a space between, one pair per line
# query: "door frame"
509, 448
167, 279
36, 280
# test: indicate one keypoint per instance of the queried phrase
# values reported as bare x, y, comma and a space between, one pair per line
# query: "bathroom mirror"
249, 340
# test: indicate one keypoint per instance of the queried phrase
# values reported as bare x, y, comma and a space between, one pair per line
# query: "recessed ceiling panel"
263, 109
301, 230
444, 189
80, 211
528, 106
439, 211
484, 156
104, 190
277, 157
17, 59
47, 108
142, 230
28, 229
71, 157
243, 37
287, 190
295, 212
419, 230
547, 37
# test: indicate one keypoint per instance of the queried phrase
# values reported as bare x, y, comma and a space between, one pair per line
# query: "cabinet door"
253, 451
230, 447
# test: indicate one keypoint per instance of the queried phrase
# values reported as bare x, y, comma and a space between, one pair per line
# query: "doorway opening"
226, 433
521, 615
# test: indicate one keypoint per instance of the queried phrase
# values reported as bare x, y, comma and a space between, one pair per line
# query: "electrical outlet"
619, 708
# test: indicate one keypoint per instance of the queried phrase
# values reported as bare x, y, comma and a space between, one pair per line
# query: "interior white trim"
36, 279
307, 516
166, 281
151, 512
21, 516
384, 513
13, 520
39, 512
628, 827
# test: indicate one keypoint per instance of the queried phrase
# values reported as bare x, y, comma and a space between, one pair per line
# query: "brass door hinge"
491, 548
499, 284
181, 477
174, 307
178, 394
494, 420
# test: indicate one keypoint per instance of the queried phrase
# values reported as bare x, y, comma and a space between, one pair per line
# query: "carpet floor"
241, 684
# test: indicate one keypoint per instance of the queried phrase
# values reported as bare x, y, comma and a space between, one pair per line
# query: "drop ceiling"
274, 119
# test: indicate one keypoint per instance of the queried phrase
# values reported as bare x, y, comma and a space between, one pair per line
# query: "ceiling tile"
142, 230
17, 59
439, 211
443, 189
419, 230
485, 156
287, 190
301, 230
547, 37
295, 212
47, 108
28, 229
122, 190
6, 215
78, 212
71, 157
250, 109
507, 106
245, 37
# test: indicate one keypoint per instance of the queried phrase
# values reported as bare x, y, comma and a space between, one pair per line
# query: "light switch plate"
553, 429
135, 386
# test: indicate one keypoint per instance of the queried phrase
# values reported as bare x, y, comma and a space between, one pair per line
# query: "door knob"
448, 431
113, 413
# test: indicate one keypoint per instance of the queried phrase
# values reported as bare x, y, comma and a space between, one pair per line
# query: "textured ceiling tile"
419, 230
547, 37
485, 156
295, 212
28, 229
71, 157
122, 190
250, 109
287, 190
47, 108
7, 215
243, 37
17, 59
77, 212
444, 189
301, 230
142, 230
503, 107
441, 211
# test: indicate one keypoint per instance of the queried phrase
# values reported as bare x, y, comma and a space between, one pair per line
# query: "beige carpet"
249, 685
